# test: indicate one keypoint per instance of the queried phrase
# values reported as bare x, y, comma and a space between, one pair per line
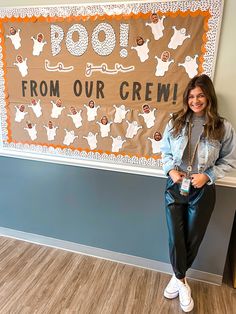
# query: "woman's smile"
197, 101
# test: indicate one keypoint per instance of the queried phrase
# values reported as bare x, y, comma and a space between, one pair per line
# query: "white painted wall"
225, 75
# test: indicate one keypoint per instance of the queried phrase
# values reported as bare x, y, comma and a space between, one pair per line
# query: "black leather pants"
187, 219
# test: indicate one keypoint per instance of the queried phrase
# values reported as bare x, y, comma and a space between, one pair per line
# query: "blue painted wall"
114, 211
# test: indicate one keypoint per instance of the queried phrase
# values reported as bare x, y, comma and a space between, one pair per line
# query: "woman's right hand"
176, 176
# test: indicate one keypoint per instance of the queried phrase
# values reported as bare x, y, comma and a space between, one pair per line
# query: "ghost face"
29, 124
140, 41
12, 30
19, 59
33, 102
157, 136
91, 104
58, 102
188, 59
73, 110
22, 108
154, 18
104, 120
165, 56
146, 108
50, 125
40, 37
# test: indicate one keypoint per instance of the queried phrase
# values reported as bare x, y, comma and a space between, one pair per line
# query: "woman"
198, 147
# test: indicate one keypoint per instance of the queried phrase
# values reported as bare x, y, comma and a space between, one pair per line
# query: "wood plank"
43, 280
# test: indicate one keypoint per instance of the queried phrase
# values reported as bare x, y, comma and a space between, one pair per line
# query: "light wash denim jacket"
215, 158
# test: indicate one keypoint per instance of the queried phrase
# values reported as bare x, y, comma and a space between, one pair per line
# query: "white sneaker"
186, 301
172, 289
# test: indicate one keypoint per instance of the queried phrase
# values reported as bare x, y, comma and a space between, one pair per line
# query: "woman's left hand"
199, 179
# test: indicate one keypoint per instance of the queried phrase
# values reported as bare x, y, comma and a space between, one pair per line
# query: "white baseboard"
106, 254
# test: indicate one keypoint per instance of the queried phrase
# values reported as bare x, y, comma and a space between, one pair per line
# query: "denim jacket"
215, 157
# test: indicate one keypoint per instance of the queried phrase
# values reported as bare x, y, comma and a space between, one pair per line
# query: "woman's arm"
169, 166
227, 157
165, 147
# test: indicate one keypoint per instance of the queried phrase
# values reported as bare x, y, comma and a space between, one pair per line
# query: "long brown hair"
214, 126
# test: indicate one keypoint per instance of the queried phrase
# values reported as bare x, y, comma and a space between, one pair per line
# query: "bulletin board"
98, 82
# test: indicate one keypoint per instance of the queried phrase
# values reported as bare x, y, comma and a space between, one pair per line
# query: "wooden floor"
38, 279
